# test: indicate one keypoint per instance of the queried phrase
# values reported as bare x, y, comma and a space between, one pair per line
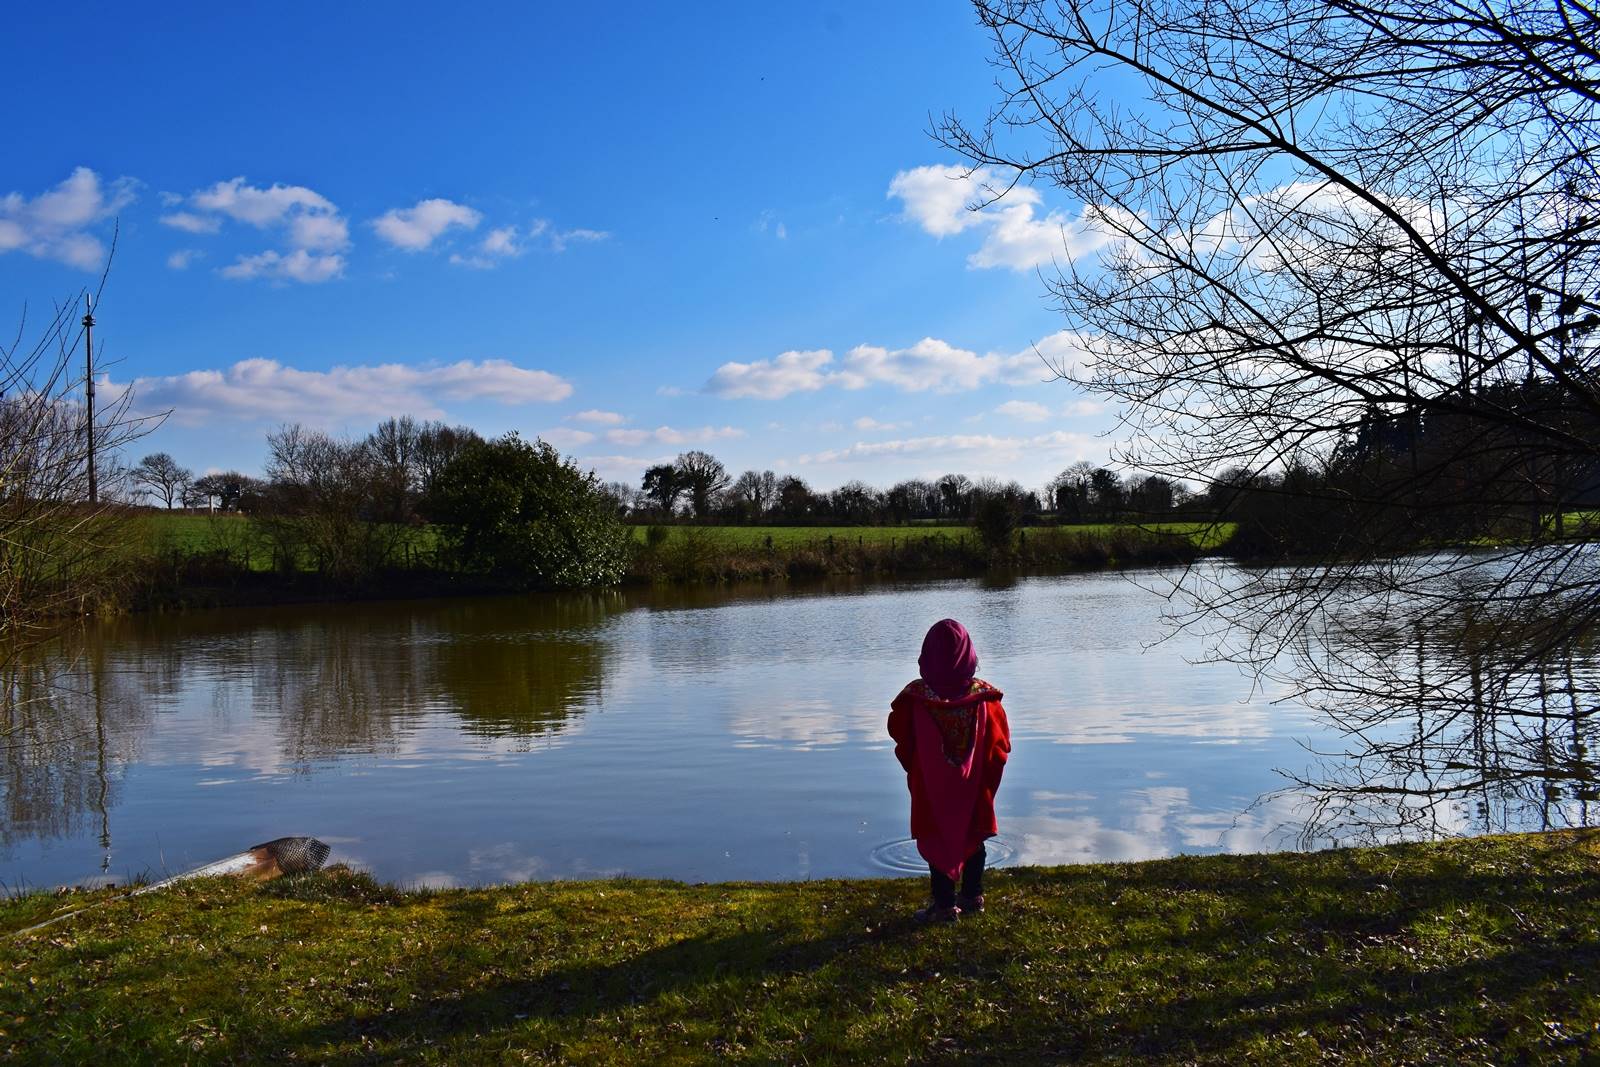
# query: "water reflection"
1471, 721
260, 695
711, 734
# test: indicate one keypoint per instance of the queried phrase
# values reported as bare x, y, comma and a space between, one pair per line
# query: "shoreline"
703, 557
1477, 949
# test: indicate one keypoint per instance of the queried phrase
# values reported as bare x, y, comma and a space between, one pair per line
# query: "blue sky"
633, 231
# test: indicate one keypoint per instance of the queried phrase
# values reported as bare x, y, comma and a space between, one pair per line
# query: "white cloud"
261, 208
867, 422
988, 447
623, 468
1020, 242
949, 200
298, 266
1084, 407
791, 372
943, 200
560, 239
497, 247
415, 228
666, 435
325, 233
53, 224
1023, 411
189, 222
265, 390
566, 436
501, 242
309, 223
770, 223
507, 242
599, 418
1064, 352
930, 364
181, 259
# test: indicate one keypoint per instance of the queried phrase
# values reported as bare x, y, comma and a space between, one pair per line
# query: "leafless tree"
226, 491
436, 445
704, 476
322, 503
61, 555
160, 475
757, 490
855, 502
394, 446
1350, 250
1068, 492
955, 491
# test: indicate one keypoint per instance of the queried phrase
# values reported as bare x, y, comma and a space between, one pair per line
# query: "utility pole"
88, 388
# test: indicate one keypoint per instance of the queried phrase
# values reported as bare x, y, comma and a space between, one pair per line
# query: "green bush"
519, 511
997, 521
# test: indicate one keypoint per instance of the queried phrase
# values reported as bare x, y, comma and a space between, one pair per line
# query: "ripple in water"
902, 856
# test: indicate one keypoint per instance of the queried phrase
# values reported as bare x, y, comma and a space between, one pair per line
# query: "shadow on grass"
587, 991
1214, 960
1401, 1010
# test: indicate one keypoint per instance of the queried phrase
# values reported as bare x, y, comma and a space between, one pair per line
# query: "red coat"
918, 699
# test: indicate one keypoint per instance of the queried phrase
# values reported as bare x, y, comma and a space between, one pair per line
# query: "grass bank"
747, 553
1204, 535
1481, 951
197, 561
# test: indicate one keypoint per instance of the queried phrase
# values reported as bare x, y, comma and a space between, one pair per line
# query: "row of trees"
390, 476
346, 507
393, 470
699, 486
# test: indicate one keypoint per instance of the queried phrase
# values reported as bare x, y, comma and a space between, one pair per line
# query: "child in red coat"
951, 736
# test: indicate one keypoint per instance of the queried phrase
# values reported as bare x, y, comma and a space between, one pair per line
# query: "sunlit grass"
1206, 535
242, 538
1478, 951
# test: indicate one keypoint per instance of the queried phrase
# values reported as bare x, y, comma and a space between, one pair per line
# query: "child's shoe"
973, 904
932, 912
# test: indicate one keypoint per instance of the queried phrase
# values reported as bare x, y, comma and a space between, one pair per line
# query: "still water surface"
699, 735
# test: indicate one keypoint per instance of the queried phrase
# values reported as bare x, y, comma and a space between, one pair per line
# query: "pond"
697, 734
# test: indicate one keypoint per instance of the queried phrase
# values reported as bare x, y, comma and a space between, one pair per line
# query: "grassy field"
199, 534
241, 537
1206, 535
1480, 951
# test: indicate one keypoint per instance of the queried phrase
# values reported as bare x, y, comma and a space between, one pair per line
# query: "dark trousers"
944, 890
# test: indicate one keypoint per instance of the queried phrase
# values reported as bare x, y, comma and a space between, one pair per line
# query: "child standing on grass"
951, 736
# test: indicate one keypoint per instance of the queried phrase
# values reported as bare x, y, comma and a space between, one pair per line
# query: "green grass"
1480, 951
192, 533
242, 537
1574, 524
238, 535
1205, 535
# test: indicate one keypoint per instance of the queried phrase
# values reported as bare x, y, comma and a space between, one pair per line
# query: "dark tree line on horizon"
1395, 477
389, 476
697, 486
